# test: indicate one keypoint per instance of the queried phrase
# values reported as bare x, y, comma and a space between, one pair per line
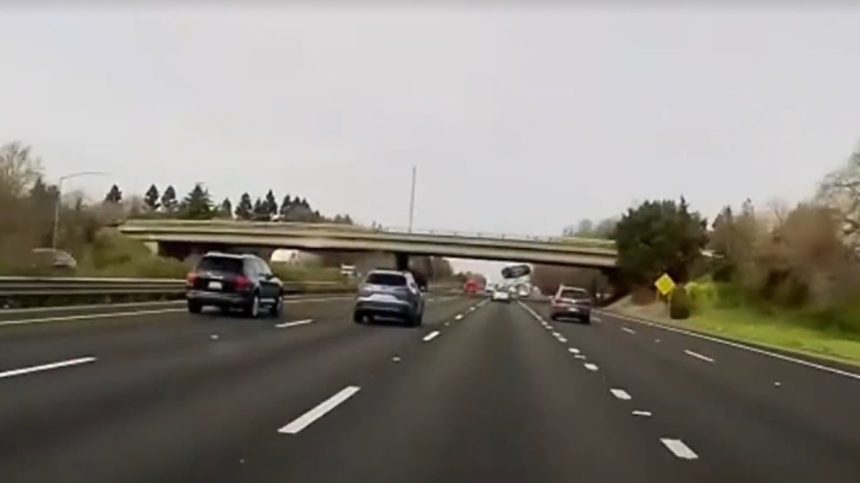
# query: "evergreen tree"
197, 204
244, 208
271, 204
114, 195
151, 198
168, 200
226, 209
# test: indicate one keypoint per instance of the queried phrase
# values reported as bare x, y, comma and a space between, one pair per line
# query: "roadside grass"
788, 331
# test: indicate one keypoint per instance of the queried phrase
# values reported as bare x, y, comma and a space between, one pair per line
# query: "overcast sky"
519, 120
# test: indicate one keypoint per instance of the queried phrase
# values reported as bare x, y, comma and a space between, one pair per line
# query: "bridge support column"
402, 261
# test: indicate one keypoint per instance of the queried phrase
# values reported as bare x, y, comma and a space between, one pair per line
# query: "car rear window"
574, 294
390, 279
220, 264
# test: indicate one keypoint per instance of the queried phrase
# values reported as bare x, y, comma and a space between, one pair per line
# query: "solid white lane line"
319, 411
459, 317
431, 336
679, 449
629, 331
698, 356
644, 414
295, 323
737, 345
620, 394
590, 366
106, 315
46, 367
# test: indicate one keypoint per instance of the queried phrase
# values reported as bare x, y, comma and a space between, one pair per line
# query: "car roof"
388, 272
237, 256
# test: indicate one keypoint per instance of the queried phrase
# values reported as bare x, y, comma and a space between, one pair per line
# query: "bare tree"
840, 191
18, 168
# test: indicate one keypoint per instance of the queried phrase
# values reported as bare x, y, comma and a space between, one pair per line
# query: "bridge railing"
394, 230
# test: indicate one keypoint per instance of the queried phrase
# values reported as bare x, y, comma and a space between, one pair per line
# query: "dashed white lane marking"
629, 331
573, 350
446, 324
579, 356
396, 358
294, 323
644, 414
620, 394
737, 345
698, 356
562, 340
596, 319
471, 309
431, 336
319, 411
556, 334
46, 367
590, 366
679, 449
459, 317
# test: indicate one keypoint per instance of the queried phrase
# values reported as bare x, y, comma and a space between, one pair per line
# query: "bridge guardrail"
25, 291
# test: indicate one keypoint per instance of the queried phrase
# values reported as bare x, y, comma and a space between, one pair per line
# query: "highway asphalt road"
482, 392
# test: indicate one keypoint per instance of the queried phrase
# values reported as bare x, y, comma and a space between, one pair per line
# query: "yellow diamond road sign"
665, 284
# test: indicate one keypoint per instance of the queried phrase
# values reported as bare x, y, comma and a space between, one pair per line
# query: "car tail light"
191, 279
243, 284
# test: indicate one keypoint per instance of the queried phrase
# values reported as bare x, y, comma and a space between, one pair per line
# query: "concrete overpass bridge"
180, 239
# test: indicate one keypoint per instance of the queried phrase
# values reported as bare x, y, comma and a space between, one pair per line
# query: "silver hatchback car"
389, 293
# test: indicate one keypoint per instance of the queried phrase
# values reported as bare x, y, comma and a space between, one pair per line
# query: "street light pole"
412, 200
58, 201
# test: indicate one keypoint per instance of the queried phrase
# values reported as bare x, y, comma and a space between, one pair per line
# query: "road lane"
493, 398
159, 406
726, 403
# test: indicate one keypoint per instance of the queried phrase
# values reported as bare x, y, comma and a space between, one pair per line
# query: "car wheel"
253, 308
586, 320
553, 317
225, 309
277, 308
358, 317
194, 307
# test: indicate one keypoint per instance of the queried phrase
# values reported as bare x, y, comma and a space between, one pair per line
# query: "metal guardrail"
21, 288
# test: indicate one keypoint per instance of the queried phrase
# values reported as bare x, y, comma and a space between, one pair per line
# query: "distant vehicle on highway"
389, 293
52, 259
571, 302
234, 281
472, 287
501, 295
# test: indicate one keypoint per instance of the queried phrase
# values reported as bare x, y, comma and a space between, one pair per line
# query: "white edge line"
431, 336
294, 323
620, 394
679, 449
46, 367
319, 411
737, 345
698, 356
629, 331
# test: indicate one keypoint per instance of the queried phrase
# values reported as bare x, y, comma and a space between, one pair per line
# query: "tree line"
198, 204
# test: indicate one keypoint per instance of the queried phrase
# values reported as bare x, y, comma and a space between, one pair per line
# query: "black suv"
228, 281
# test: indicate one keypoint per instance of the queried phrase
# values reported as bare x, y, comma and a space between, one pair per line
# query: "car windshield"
389, 279
220, 264
572, 293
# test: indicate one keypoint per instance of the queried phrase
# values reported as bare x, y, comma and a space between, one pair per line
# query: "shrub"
680, 307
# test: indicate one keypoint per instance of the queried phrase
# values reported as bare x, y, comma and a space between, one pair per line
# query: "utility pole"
412, 200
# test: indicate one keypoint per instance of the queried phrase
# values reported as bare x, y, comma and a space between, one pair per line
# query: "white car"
501, 296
